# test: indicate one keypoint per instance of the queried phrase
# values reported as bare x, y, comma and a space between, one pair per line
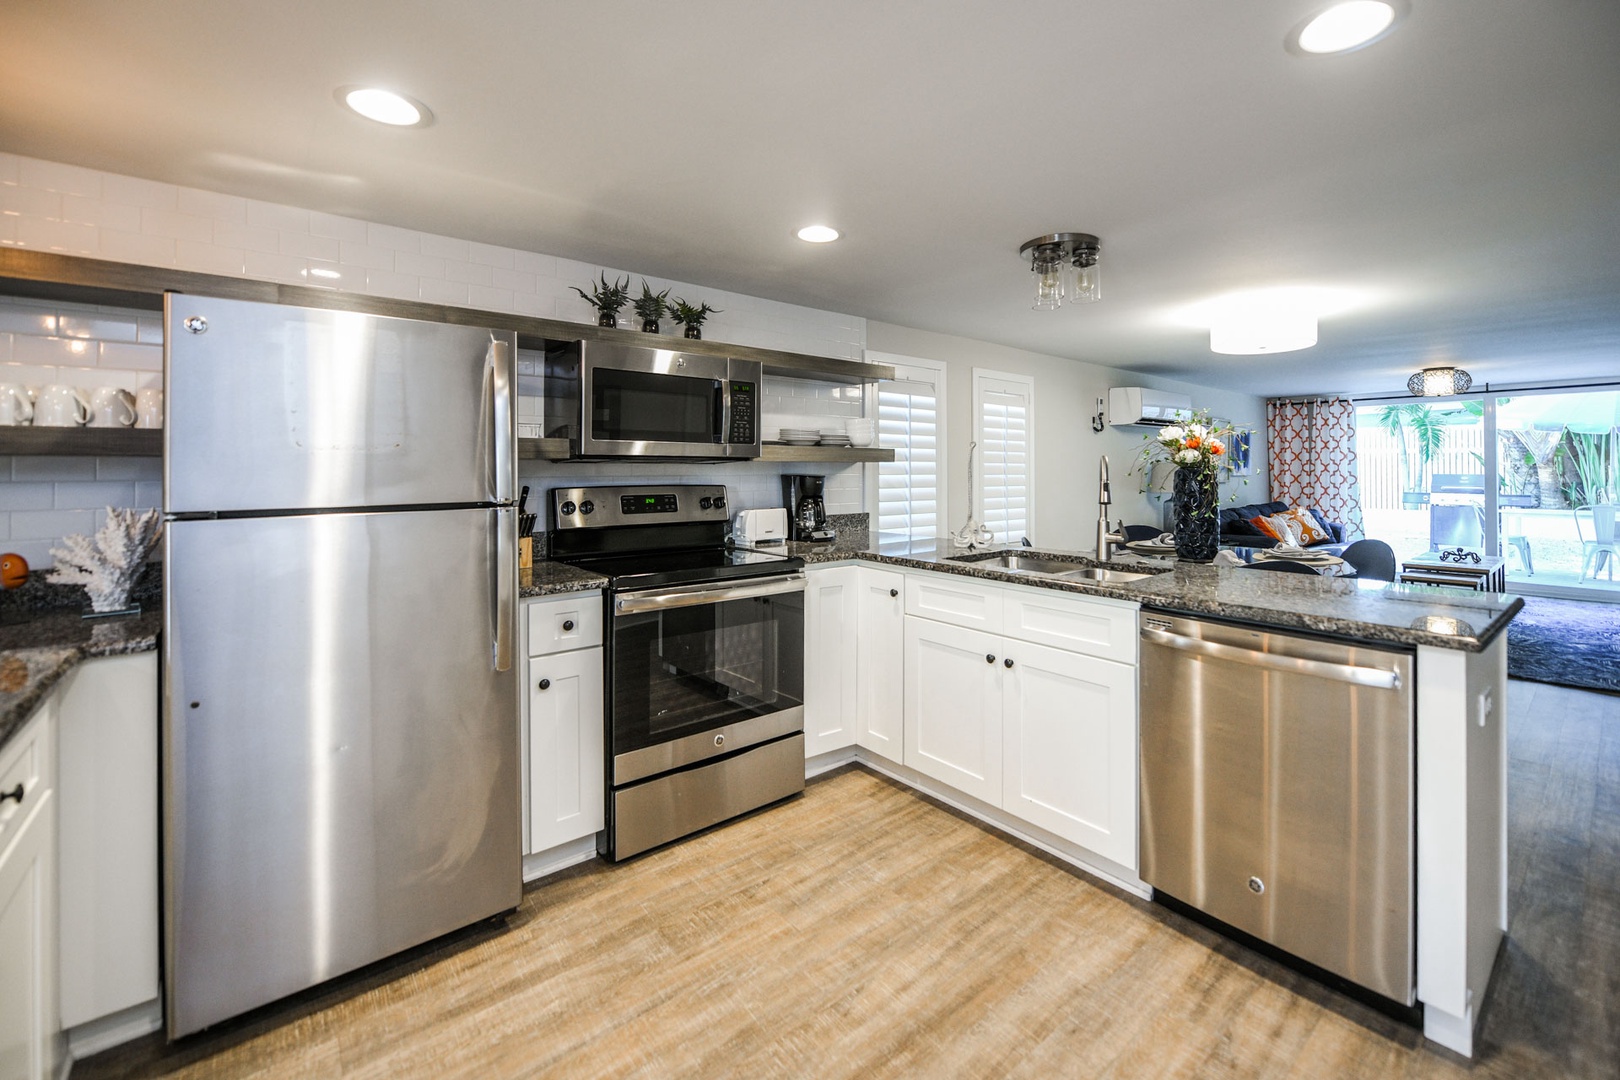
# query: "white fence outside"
1378, 462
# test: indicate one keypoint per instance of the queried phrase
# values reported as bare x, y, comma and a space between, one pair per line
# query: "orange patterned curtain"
1311, 447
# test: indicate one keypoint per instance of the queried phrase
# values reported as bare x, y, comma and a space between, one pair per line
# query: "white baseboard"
561, 857
114, 1030
1076, 856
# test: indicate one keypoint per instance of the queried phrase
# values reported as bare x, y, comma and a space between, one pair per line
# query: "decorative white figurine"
108, 567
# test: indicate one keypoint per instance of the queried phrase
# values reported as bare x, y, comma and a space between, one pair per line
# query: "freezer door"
274, 407
340, 753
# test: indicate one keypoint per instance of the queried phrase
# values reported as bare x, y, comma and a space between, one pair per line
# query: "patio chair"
1601, 550
1373, 559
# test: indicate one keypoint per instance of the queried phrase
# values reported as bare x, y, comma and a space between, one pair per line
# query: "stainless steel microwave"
613, 401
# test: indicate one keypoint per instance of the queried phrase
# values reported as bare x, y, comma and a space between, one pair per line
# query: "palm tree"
1430, 433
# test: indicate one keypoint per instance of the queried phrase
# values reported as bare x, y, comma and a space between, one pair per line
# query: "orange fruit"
13, 570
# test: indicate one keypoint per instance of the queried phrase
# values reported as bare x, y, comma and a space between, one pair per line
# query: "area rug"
1566, 642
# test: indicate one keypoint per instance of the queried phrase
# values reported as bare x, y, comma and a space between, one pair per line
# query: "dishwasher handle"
1378, 678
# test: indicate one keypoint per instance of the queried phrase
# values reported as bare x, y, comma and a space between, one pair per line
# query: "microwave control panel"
743, 421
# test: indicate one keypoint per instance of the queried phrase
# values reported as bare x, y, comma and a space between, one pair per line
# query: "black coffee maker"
807, 512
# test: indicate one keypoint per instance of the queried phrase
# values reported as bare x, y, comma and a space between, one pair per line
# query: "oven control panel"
604, 507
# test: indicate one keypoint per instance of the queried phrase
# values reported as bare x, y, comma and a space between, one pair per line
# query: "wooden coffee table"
1487, 575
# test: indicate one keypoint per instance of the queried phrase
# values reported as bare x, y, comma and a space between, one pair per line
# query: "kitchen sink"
1102, 575
1025, 564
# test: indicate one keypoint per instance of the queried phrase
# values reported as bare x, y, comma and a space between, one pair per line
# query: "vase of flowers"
1198, 451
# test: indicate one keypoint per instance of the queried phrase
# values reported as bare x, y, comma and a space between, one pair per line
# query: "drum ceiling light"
1065, 268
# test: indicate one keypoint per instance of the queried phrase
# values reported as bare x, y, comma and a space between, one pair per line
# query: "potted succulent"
691, 317
607, 299
651, 307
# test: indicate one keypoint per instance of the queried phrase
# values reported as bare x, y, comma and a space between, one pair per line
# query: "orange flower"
1193, 442
1215, 447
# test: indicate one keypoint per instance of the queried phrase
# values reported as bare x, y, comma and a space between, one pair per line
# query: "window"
910, 490
1003, 480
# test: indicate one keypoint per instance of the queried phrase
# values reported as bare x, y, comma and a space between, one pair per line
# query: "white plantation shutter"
1003, 406
910, 414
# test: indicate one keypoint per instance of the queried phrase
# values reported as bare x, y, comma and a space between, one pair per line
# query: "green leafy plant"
687, 315
1425, 425
651, 306
607, 298
1596, 460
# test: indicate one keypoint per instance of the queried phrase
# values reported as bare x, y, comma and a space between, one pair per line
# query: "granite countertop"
555, 578
1342, 607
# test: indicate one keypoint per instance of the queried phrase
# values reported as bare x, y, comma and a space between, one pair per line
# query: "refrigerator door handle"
499, 362
505, 586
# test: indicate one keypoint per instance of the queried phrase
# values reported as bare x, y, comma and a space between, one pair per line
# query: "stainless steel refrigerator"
340, 713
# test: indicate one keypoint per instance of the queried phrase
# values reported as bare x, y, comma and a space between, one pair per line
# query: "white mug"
149, 408
112, 406
16, 405
61, 406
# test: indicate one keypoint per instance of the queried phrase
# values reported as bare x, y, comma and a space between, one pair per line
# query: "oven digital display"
647, 504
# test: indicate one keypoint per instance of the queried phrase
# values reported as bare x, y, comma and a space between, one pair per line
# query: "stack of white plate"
800, 436
834, 438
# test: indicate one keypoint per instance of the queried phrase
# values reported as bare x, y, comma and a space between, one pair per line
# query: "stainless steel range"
704, 663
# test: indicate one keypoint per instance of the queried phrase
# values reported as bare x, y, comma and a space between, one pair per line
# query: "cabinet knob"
1007, 662
894, 592
545, 684
568, 625
14, 793
989, 658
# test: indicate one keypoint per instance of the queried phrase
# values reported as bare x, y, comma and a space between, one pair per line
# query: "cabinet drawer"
1095, 626
567, 622
27, 761
956, 600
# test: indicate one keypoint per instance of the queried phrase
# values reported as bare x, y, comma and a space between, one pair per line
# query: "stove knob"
587, 507
705, 503
719, 502
567, 509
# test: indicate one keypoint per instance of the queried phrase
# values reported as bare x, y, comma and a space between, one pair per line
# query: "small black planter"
694, 331
1195, 496
607, 318
649, 326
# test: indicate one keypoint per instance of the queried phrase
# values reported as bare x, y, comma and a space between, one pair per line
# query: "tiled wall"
47, 206
44, 498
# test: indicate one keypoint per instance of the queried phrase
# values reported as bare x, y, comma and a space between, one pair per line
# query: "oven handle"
694, 595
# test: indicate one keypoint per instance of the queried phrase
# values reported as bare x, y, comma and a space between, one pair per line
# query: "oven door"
699, 671
662, 403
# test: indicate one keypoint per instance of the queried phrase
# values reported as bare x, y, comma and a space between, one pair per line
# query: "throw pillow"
1306, 526
1276, 526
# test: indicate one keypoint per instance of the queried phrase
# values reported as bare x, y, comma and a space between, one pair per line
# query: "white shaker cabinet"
880, 671
29, 1046
953, 706
831, 658
1069, 747
566, 774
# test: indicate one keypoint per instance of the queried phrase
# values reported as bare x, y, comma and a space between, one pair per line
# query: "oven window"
640, 406
683, 671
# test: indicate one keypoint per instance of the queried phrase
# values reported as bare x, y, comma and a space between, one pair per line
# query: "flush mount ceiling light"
1065, 268
1345, 27
384, 106
817, 234
1439, 382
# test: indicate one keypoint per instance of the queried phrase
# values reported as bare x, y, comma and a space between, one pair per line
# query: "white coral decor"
108, 567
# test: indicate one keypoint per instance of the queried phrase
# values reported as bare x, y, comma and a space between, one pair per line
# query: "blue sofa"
1237, 532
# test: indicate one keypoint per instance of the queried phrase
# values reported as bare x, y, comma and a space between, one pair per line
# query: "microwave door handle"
1378, 678
503, 460
722, 410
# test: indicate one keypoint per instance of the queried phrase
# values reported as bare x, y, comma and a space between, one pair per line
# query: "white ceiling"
1460, 179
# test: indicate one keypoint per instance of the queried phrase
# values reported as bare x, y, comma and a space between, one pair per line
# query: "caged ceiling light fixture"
1439, 382
1065, 268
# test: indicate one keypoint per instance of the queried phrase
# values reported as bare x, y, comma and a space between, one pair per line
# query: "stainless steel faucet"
1105, 538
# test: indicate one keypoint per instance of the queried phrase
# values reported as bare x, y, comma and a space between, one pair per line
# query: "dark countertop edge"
1361, 631
557, 579
43, 681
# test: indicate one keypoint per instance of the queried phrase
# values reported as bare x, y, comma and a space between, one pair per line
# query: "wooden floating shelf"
82, 441
557, 450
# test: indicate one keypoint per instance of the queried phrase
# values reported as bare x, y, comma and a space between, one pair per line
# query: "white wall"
1066, 449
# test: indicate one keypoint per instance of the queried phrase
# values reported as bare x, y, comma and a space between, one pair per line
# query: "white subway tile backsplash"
361, 254
128, 468
148, 494
538, 307
210, 258
276, 216
436, 291
44, 234
51, 351
388, 283
392, 236
488, 299
212, 205
50, 525
94, 495
133, 191
311, 247
410, 262
27, 318
471, 273
122, 246
177, 226
233, 234
150, 330
533, 262
99, 326
444, 247
37, 552
9, 168
34, 495
514, 280
54, 176
268, 267
100, 213
500, 258
347, 229
117, 354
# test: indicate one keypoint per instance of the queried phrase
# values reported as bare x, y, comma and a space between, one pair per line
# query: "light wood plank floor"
866, 931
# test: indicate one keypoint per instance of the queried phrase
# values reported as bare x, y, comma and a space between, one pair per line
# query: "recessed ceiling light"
1345, 27
818, 234
385, 106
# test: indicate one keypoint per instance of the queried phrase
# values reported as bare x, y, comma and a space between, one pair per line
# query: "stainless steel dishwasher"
1278, 791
